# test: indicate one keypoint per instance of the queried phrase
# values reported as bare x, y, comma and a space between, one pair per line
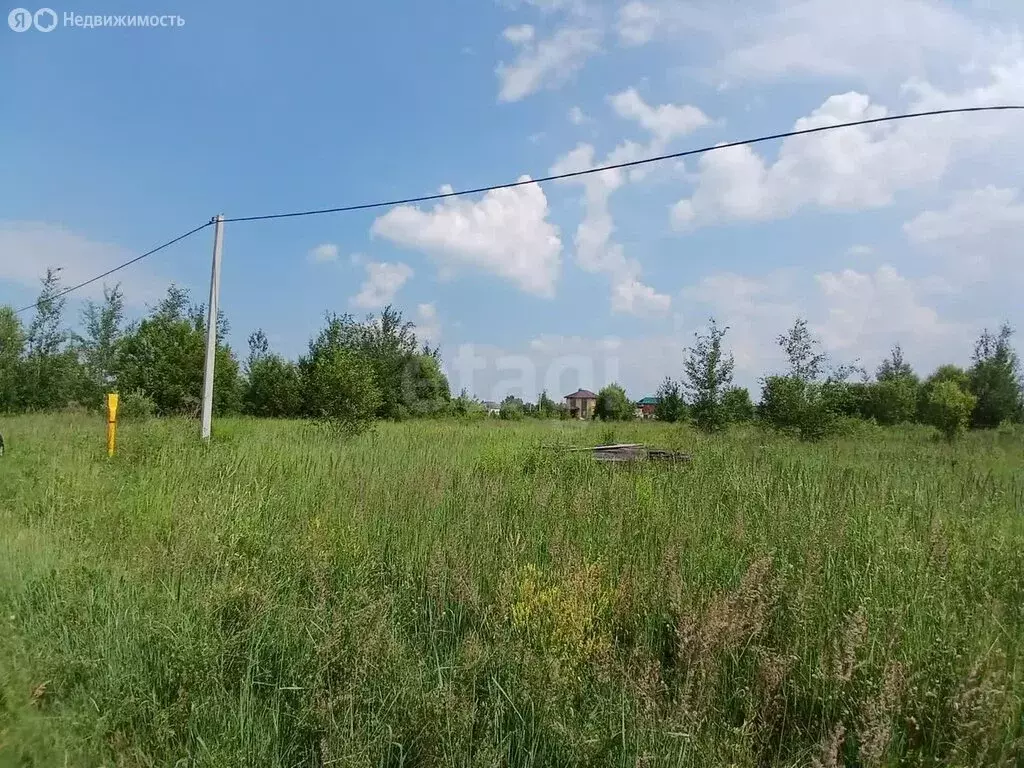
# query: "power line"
629, 164
541, 180
91, 280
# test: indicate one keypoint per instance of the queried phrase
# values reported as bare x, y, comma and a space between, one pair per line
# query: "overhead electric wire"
118, 268
629, 164
544, 179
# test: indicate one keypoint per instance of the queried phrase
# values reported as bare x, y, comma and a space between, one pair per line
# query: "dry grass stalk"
830, 748
875, 733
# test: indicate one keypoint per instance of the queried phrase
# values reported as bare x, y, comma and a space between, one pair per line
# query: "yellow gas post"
111, 422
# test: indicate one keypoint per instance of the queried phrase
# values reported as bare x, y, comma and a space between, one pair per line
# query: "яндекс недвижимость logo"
47, 20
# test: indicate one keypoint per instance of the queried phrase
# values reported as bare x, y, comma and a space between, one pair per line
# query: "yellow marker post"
111, 422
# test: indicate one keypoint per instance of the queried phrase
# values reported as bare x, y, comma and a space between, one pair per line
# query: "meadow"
463, 594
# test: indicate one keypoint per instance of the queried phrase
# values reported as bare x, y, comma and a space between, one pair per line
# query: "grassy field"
456, 594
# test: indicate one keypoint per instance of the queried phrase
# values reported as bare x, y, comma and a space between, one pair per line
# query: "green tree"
339, 383
708, 374
783, 403
613, 405
953, 373
801, 402
894, 367
49, 366
893, 397
341, 390
99, 344
737, 405
512, 408
272, 385
466, 406
995, 380
12, 347
546, 407
670, 407
806, 361
425, 389
163, 357
949, 408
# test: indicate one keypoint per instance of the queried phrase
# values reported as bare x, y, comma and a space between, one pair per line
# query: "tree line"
355, 371
812, 400
352, 372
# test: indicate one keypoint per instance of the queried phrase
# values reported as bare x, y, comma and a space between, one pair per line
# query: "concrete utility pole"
211, 327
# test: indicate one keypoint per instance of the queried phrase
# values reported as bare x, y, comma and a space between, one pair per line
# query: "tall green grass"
464, 594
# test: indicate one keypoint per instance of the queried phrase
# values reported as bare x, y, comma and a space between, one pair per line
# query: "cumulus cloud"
846, 169
324, 252
28, 248
596, 249
665, 122
382, 282
980, 229
545, 63
506, 233
577, 116
989, 211
866, 312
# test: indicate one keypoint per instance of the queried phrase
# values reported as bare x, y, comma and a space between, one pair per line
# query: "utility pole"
211, 327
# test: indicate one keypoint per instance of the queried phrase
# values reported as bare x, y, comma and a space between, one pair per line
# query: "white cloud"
990, 211
506, 233
631, 296
383, 281
979, 230
665, 122
28, 248
638, 22
428, 325
755, 310
596, 250
865, 313
545, 63
577, 116
872, 40
519, 34
846, 169
324, 252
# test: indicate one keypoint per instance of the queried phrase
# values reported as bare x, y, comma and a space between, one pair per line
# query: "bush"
135, 404
737, 405
893, 401
949, 409
613, 405
510, 411
342, 390
808, 410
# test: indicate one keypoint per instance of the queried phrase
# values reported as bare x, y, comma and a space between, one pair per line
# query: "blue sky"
116, 139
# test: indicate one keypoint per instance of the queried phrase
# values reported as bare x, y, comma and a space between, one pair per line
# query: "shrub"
613, 405
737, 405
949, 409
135, 404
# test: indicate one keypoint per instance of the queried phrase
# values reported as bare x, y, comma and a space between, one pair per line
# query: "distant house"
646, 407
493, 408
581, 404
